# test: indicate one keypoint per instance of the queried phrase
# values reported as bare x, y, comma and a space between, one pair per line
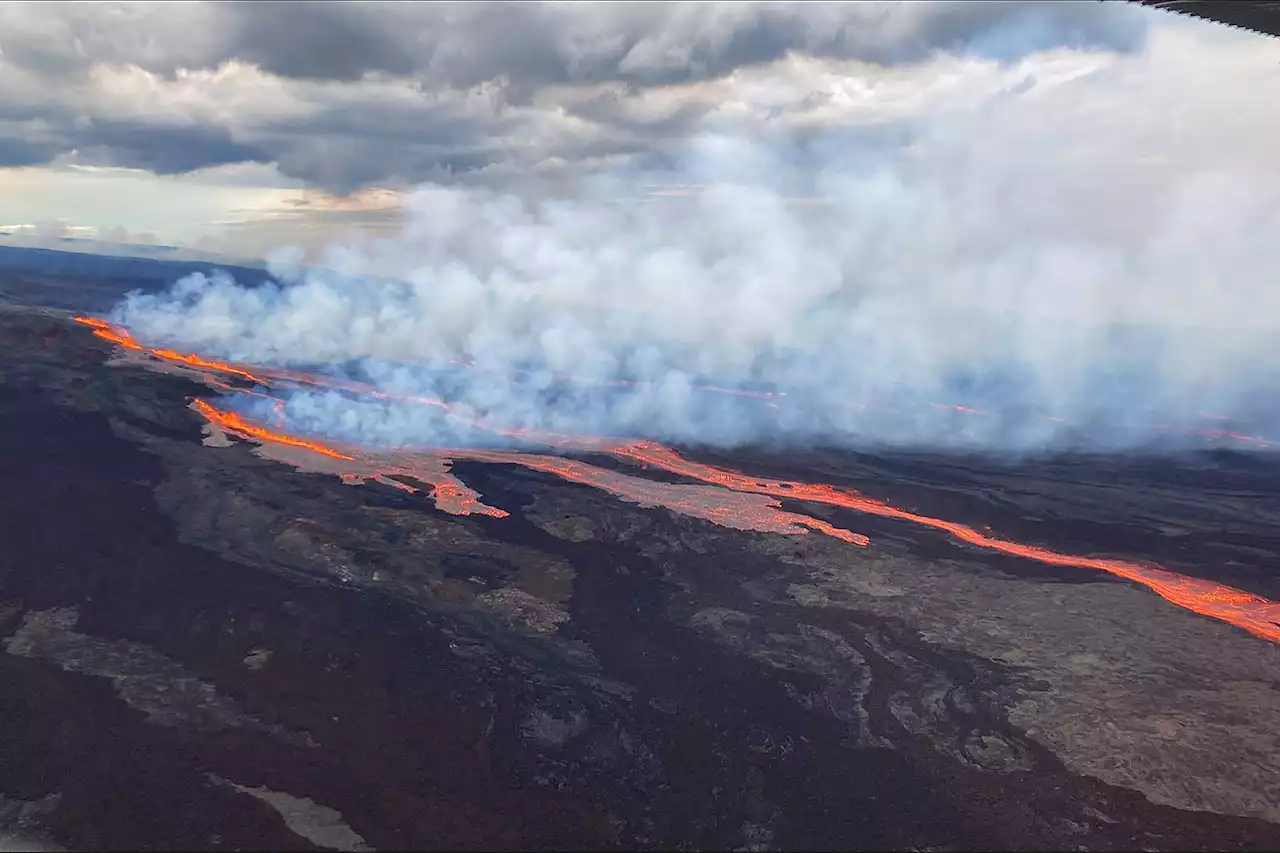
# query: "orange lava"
964, 410
117, 335
454, 497
277, 405
267, 376
1212, 435
232, 422
741, 511
1253, 613
725, 507
449, 494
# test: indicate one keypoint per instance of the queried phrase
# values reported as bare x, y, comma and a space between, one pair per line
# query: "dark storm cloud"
165, 150
21, 152
534, 44
609, 109
482, 86
344, 164
323, 40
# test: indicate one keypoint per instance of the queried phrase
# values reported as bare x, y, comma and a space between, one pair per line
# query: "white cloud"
347, 95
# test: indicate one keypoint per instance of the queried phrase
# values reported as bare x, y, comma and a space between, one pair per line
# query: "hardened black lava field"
207, 643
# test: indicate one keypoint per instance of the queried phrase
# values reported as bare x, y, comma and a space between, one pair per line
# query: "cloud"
23, 152
344, 94
1083, 236
529, 45
458, 45
161, 148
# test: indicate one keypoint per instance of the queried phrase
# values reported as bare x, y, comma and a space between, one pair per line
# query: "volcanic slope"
230, 646
726, 496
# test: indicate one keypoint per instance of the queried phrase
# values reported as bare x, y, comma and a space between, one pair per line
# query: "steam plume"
1086, 249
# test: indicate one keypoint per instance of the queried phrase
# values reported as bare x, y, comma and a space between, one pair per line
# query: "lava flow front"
729, 498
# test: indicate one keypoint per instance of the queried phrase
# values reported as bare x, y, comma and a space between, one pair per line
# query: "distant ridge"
94, 281
91, 282
107, 248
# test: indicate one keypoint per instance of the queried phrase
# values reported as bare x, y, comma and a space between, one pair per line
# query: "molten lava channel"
232, 422
121, 337
1258, 615
726, 497
728, 508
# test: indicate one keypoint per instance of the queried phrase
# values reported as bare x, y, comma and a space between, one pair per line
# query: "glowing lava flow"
740, 511
1253, 613
737, 510
270, 377
231, 422
449, 493
1212, 435
119, 336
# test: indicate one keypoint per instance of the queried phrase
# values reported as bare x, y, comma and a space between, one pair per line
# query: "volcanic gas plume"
962, 279
729, 498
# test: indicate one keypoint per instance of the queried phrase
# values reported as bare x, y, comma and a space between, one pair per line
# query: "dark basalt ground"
185, 623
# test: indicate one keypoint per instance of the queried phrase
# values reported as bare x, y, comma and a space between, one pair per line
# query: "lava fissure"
121, 337
754, 505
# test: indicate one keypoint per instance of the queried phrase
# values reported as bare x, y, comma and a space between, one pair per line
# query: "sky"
243, 126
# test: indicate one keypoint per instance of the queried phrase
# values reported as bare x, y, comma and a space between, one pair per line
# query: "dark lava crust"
191, 631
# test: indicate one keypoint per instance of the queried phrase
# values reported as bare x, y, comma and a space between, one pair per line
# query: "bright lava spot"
231, 422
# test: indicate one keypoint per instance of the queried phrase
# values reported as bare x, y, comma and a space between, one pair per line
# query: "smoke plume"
1082, 247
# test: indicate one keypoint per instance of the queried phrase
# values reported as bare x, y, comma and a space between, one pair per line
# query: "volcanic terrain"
217, 634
